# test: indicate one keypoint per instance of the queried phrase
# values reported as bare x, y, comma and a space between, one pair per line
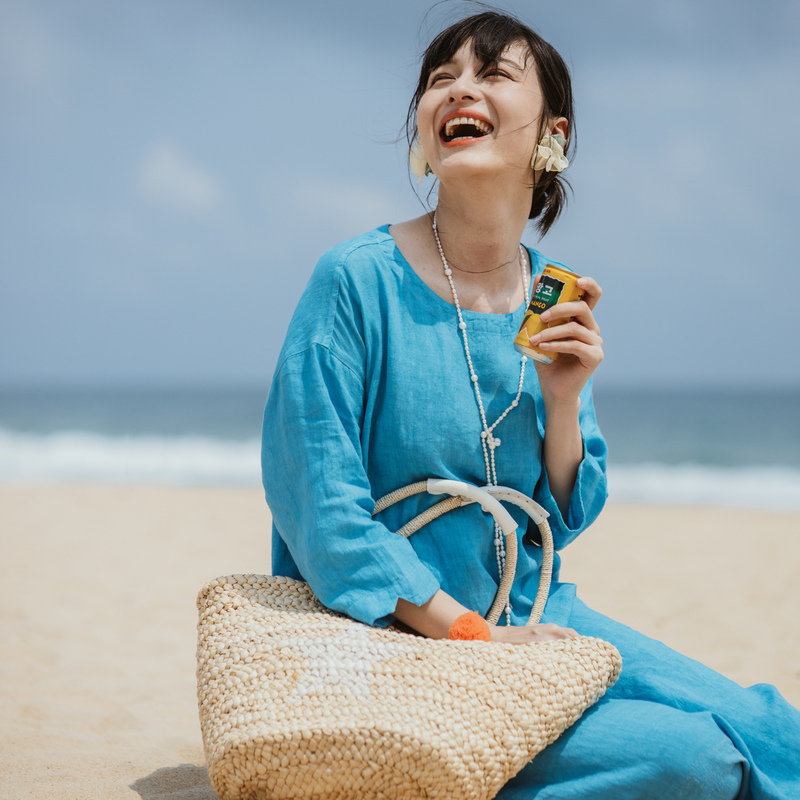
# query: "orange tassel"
470, 627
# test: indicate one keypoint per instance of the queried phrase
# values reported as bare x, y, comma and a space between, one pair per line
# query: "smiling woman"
529, 64
399, 365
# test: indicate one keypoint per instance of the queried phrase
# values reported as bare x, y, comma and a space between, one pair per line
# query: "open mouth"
464, 128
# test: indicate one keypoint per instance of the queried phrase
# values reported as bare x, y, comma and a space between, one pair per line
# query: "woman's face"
475, 121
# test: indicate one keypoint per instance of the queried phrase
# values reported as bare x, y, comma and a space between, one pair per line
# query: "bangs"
490, 35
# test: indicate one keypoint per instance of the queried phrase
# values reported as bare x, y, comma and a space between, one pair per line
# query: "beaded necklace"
489, 442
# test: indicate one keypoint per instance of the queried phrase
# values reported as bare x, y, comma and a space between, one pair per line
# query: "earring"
549, 154
419, 163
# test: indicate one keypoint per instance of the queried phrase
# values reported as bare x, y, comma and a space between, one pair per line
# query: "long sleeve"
590, 491
313, 468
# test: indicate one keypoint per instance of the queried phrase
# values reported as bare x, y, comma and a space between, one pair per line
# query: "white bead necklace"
489, 442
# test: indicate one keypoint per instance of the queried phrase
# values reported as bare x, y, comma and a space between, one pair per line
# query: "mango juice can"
557, 285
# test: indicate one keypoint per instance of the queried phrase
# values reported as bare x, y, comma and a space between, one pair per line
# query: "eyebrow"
515, 64
499, 60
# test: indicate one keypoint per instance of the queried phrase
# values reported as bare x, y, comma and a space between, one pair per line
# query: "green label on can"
548, 290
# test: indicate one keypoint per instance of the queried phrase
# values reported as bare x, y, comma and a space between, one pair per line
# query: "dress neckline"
509, 320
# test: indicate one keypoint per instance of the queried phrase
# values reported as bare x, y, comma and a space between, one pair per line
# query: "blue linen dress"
372, 392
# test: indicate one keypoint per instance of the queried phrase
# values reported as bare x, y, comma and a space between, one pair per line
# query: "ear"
560, 125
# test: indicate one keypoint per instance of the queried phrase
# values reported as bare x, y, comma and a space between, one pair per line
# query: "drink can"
557, 285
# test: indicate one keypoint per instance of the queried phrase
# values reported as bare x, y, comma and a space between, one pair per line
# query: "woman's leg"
758, 722
634, 750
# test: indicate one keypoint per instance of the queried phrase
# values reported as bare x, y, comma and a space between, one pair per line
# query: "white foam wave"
776, 488
78, 456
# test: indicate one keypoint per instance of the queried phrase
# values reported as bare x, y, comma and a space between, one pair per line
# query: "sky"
170, 172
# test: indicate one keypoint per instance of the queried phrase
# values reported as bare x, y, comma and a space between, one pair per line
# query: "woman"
399, 365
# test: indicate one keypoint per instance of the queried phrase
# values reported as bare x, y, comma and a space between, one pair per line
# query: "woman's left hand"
577, 342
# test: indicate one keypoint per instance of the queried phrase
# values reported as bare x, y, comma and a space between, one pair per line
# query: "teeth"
450, 125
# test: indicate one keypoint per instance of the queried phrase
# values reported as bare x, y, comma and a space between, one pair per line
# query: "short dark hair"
490, 33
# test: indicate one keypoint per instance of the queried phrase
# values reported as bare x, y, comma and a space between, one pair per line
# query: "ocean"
724, 448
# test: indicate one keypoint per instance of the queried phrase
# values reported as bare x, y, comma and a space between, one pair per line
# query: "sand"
98, 618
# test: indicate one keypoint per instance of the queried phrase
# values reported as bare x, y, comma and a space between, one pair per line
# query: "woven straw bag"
297, 701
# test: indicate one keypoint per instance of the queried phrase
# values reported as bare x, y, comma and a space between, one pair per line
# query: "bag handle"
488, 497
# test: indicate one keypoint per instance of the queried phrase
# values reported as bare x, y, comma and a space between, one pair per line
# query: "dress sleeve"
319, 494
590, 491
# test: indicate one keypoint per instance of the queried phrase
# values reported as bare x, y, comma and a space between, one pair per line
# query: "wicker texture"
299, 702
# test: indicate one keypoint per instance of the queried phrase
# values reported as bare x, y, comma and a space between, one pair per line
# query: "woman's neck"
480, 230
480, 227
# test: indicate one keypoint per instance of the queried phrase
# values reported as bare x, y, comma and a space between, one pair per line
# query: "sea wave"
197, 460
759, 487
82, 456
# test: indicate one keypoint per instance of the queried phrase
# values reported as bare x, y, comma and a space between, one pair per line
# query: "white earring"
549, 154
419, 162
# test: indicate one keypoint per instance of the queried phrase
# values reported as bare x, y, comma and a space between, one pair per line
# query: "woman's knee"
709, 767
634, 750
690, 757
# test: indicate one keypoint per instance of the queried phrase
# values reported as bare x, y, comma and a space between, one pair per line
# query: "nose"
463, 88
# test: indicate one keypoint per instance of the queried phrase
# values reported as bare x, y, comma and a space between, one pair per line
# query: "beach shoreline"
98, 626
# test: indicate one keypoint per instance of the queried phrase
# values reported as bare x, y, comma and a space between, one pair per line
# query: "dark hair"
490, 33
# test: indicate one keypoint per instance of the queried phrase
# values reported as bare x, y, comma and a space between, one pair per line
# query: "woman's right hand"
525, 634
434, 618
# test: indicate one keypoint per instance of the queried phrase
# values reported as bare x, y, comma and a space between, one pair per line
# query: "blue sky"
171, 171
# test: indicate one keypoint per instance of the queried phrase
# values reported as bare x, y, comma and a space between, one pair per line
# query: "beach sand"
98, 618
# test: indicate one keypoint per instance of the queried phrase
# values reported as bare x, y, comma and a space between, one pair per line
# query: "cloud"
348, 206
167, 178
